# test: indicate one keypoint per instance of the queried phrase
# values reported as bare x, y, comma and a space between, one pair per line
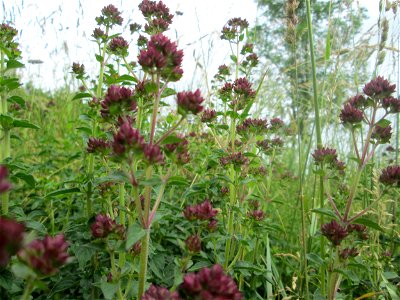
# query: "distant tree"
282, 39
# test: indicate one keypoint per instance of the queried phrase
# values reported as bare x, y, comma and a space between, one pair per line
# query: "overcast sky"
58, 31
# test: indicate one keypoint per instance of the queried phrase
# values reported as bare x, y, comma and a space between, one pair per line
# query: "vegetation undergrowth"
132, 189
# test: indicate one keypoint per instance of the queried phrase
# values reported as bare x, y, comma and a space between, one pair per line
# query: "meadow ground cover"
131, 189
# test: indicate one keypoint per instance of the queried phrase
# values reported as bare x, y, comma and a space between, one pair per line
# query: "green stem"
232, 202
143, 262
5, 146
122, 217
165, 135
314, 75
155, 110
28, 289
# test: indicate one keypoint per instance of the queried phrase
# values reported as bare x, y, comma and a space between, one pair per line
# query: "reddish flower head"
243, 93
202, 211
189, 102
162, 57
193, 243
11, 238
208, 115
5, 185
334, 232
159, 293
153, 154
104, 226
391, 176
117, 100
379, 87
381, 134
157, 15
348, 252
210, 283
351, 115
110, 16
392, 105
324, 155
119, 46
96, 145
127, 138
47, 255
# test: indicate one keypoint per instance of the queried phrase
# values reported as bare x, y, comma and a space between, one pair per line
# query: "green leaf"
18, 100
315, 259
108, 289
384, 123
28, 178
135, 233
168, 92
35, 225
6, 279
199, 265
63, 192
233, 58
328, 45
84, 253
10, 83
81, 96
6, 121
324, 211
369, 223
99, 58
24, 124
63, 284
21, 270
14, 64
171, 139
126, 77
150, 87
177, 180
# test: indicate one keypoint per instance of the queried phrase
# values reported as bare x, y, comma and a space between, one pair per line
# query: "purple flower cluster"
233, 29
11, 238
209, 283
256, 215
377, 94
208, 115
381, 134
162, 57
46, 256
103, 226
391, 176
159, 293
96, 145
5, 185
193, 243
180, 149
328, 156
110, 16
202, 211
189, 102
379, 88
117, 100
157, 16
348, 252
351, 115
78, 69
127, 138
334, 232
252, 126
118, 46
269, 145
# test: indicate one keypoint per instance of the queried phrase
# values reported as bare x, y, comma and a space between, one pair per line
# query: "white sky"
56, 32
